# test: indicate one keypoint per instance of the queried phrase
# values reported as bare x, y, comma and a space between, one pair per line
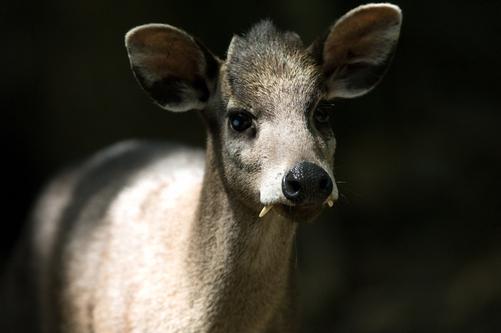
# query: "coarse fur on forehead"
270, 71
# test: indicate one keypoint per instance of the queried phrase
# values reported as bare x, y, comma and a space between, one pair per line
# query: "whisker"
344, 198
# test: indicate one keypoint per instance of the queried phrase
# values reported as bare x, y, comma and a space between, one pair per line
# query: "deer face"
278, 133
267, 105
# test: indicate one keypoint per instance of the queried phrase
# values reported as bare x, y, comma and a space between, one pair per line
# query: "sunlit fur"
271, 75
152, 237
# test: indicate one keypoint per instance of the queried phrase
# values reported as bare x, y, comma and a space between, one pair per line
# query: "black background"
414, 244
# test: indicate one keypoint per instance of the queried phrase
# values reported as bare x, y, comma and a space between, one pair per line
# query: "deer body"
149, 237
143, 247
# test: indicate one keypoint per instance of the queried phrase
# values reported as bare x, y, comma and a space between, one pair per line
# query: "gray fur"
263, 57
149, 237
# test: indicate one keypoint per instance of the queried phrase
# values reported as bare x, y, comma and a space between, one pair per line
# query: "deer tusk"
329, 201
265, 210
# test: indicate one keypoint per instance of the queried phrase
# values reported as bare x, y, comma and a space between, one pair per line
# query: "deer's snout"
307, 183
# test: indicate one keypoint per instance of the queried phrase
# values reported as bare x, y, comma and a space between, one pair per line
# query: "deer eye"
321, 116
240, 121
322, 113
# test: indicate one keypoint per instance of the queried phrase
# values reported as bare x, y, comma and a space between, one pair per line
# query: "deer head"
267, 105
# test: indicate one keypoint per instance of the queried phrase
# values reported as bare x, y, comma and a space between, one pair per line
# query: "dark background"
414, 245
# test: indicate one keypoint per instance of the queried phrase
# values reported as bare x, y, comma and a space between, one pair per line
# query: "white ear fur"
358, 48
171, 66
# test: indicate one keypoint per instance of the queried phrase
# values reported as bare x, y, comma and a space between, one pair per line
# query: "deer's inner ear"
177, 71
356, 51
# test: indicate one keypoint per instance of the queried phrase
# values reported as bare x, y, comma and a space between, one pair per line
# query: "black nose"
307, 183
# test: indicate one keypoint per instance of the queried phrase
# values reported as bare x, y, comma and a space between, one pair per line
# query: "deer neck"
241, 263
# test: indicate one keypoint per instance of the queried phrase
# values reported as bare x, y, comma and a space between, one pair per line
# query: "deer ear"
177, 71
357, 49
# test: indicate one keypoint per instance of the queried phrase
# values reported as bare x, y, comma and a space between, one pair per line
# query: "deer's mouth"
301, 213
296, 211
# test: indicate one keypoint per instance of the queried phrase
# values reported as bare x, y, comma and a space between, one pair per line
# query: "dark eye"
323, 112
322, 116
240, 121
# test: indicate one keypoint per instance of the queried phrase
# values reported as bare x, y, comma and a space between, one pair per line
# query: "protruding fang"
329, 201
265, 210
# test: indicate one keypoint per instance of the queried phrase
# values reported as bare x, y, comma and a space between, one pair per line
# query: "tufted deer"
149, 237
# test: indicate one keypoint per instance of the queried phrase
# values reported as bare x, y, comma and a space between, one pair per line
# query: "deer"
160, 237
